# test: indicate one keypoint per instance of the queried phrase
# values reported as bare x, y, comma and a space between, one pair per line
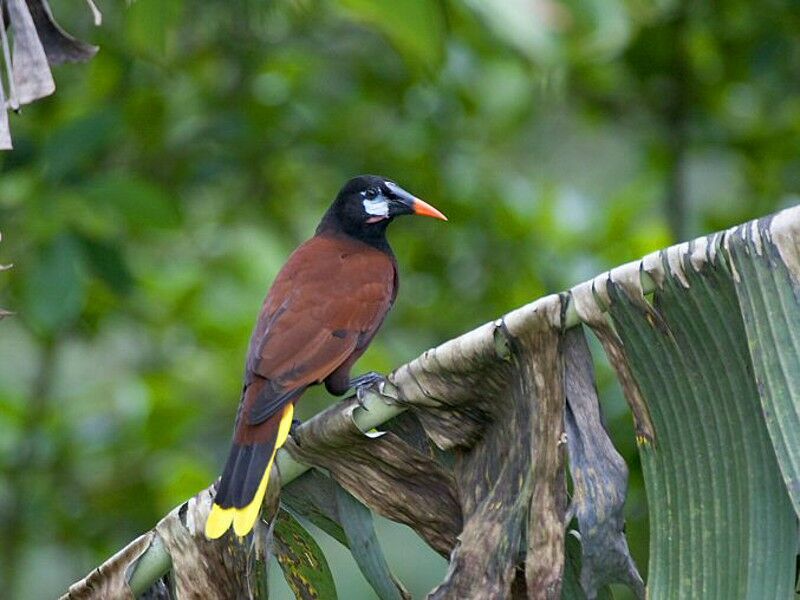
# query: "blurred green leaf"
54, 286
415, 27
78, 142
139, 202
151, 24
108, 263
559, 33
531, 27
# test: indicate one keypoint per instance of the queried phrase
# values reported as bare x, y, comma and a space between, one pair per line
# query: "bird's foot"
367, 380
372, 381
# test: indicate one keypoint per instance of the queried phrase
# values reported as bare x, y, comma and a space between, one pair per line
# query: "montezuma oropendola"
322, 311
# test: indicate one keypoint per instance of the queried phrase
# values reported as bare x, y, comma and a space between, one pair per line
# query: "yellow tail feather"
218, 521
243, 519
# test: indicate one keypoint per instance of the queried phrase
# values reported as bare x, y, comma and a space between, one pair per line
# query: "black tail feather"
243, 472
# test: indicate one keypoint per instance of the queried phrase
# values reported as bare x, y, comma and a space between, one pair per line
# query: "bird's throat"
372, 233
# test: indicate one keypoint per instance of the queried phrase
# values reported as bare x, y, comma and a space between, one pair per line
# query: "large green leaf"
357, 522
722, 525
301, 559
770, 302
329, 506
312, 497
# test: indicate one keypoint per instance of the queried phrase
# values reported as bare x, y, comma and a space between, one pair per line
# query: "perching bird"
322, 311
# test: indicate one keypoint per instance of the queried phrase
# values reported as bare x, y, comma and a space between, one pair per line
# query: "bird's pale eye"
370, 193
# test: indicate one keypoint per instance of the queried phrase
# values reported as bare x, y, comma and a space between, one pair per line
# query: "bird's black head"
367, 204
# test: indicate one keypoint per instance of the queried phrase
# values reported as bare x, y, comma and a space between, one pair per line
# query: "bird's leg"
366, 382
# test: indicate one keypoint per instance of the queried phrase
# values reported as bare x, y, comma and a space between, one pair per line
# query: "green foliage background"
149, 203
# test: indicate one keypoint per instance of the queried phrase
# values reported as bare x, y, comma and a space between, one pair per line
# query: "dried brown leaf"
590, 313
59, 46
385, 473
600, 478
30, 69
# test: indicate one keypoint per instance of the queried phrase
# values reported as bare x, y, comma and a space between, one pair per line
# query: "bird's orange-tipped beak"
420, 207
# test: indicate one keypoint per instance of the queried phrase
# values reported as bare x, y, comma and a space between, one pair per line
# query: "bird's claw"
367, 380
372, 381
